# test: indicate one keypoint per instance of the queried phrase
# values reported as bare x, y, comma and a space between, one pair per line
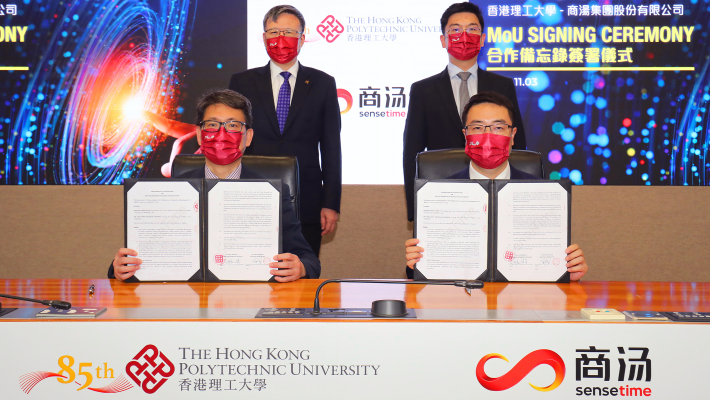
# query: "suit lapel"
300, 93
447, 97
483, 81
266, 96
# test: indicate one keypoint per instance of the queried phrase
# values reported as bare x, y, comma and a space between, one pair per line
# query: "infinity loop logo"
522, 369
345, 95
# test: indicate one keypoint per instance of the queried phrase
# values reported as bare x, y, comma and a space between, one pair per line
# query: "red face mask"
221, 147
464, 46
282, 49
488, 150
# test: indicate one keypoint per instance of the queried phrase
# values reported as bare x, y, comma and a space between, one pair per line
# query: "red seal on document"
485, 208
196, 206
556, 261
509, 255
150, 368
219, 259
266, 260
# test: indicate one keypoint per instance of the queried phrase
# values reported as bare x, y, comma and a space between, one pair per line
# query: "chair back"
440, 164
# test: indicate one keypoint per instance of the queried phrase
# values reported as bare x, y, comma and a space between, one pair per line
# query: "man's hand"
328, 219
414, 252
290, 268
121, 268
576, 264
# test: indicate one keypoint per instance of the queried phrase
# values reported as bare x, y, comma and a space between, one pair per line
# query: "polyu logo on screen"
330, 28
521, 370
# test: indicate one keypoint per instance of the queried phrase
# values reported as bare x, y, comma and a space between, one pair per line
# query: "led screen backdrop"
612, 92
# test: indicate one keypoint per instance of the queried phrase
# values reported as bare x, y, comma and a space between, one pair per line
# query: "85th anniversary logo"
149, 370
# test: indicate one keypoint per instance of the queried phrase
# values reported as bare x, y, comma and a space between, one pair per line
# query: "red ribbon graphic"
521, 369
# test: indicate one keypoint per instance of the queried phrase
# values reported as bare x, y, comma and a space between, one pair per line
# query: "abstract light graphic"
101, 64
689, 161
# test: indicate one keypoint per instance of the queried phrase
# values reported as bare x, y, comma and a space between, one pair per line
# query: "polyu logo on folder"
521, 370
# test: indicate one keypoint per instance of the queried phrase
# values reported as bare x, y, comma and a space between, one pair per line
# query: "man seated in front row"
224, 121
489, 116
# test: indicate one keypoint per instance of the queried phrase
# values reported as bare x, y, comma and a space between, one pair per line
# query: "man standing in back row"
436, 103
296, 113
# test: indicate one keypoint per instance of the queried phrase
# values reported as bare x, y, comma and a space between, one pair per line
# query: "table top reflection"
657, 296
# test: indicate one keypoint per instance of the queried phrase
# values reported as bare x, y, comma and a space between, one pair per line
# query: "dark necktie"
284, 101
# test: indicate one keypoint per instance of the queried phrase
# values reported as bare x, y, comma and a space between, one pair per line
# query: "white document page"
532, 231
452, 226
162, 225
243, 230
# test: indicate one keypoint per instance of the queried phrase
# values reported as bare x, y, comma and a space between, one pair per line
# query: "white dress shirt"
473, 174
277, 80
456, 81
236, 174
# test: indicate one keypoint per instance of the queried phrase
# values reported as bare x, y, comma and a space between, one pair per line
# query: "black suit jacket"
313, 120
292, 239
433, 121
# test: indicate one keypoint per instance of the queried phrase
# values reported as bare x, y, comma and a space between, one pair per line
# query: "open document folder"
493, 230
203, 230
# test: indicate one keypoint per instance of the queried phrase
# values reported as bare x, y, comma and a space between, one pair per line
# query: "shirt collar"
473, 174
236, 174
276, 71
453, 70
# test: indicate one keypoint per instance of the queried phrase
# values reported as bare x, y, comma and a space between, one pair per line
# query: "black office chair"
439, 164
270, 167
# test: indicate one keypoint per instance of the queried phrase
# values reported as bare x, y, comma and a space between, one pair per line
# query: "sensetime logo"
377, 102
345, 95
522, 369
149, 369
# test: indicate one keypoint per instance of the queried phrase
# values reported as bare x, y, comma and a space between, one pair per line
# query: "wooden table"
657, 296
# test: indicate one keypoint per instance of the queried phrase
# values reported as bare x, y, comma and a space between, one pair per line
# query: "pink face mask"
282, 49
488, 150
464, 46
221, 147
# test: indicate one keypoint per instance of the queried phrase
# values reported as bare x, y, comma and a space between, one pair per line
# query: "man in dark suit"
489, 136
296, 113
223, 131
435, 103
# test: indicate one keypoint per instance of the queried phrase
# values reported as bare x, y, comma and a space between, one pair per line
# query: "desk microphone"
58, 304
392, 308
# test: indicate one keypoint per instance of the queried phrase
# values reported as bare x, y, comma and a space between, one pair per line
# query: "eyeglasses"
272, 33
229, 126
473, 30
498, 129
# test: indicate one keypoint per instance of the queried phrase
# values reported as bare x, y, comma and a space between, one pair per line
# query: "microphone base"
327, 313
389, 308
